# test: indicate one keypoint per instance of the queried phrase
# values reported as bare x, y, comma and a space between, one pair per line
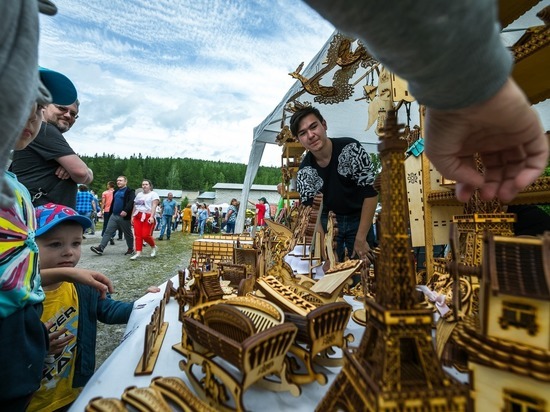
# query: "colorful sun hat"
50, 215
60, 88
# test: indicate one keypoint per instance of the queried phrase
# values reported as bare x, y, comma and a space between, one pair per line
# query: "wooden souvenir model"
508, 344
320, 328
233, 273
204, 287
163, 394
395, 366
154, 336
246, 332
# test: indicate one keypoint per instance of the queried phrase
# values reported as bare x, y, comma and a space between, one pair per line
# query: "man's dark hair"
111, 184
300, 114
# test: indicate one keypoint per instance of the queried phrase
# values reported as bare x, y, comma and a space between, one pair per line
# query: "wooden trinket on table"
246, 332
154, 336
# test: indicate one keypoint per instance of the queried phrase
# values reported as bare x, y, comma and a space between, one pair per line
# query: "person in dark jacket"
121, 213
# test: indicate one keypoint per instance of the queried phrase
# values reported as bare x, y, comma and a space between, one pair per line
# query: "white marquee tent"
347, 118
350, 117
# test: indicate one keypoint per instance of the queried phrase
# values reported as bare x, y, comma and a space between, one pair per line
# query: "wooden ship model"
395, 366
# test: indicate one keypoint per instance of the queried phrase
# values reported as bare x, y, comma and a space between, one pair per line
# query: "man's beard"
62, 129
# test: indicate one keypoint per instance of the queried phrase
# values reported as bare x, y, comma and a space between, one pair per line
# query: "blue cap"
50, 215
61, 89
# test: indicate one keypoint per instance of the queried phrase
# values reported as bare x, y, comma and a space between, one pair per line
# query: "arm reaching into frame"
472, 104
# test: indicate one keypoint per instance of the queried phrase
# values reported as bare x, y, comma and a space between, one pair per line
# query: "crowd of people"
48, 317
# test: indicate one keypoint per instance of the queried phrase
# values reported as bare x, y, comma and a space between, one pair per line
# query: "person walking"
202, 215
187, 214
123, 205
194, 210
106, 204
85, 205
231, 216
143, 218
168, 212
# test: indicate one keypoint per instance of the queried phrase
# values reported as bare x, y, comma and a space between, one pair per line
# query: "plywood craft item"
531, 56
343, 58
415, 193
255, 346
155, 331
163, 394
395, 366
507, 345
320, 328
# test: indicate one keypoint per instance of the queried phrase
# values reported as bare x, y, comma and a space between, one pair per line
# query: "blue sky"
186, 78
178, 78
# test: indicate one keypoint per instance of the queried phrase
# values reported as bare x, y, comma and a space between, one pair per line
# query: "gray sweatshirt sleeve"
450, 52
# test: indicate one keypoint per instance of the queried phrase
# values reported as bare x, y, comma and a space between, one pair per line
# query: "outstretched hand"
505, 130
96, 280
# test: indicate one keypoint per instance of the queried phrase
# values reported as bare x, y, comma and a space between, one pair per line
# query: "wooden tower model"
395, 367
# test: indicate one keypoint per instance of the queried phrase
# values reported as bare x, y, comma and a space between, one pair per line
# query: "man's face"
32, 127
60, 247
121, 182
170, 196
312, 133
62, 117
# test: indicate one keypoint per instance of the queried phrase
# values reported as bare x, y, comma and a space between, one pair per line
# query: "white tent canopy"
350, 117
345, 119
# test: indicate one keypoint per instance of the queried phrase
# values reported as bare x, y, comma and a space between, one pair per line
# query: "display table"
117, 372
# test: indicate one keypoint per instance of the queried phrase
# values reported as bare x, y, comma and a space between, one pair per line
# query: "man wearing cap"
49, 167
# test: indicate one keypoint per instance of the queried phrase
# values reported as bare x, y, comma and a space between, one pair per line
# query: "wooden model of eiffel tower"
395, 367
480, 216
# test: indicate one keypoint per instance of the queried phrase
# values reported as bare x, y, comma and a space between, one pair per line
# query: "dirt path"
132, 278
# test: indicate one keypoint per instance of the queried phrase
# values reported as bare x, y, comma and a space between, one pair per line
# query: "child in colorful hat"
71, 310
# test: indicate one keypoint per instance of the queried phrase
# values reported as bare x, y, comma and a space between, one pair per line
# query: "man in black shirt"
340, 169
48, 167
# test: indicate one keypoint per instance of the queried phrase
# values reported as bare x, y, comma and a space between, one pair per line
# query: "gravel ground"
132, 278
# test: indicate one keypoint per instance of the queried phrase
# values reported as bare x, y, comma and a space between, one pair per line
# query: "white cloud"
178, 78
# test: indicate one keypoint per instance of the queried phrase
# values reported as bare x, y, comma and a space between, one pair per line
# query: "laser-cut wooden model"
161, 395
508, 343
248, 333
395, 366
320, 328
234, 273
204, 287
155, 332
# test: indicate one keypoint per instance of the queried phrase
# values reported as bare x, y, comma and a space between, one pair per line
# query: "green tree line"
175, 174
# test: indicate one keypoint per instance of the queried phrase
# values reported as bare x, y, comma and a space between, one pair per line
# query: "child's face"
60, 247
32, 127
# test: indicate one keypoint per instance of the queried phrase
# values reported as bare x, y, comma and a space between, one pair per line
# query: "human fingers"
62, 173
103, 284
57, 345
98, 281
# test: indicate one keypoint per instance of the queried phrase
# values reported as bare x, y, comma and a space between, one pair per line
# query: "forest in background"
179, 174
174, 174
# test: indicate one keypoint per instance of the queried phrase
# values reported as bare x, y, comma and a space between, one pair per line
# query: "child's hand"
97, 280
58, 339
153, 289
